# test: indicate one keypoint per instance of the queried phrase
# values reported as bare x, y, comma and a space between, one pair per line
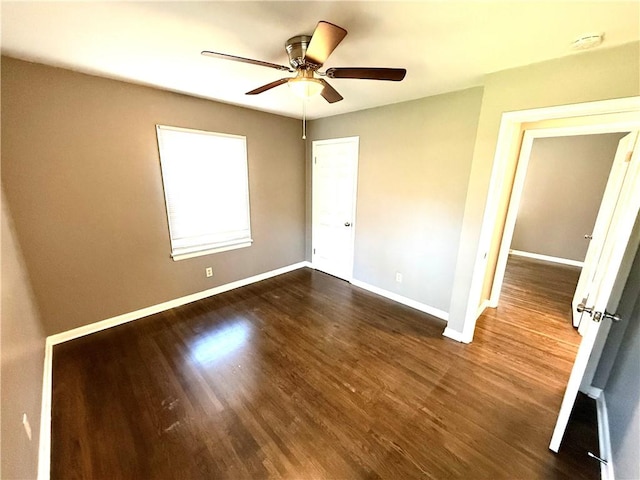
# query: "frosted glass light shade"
304, 87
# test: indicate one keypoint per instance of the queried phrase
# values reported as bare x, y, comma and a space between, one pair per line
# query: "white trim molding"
614, 115
435, 312
604, 436
44, 446
592, 392
161, 307
604, 439
183, 256
455, 335
483, 306
44, 442
547, 258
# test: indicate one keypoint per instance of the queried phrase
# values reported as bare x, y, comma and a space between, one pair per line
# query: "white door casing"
605, 277
334, 189
604, 116
612, 191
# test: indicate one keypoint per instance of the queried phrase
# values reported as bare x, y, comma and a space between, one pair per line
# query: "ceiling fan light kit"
304, 86
307, 54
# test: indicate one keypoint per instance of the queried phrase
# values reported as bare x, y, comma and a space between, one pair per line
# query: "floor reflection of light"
221, 342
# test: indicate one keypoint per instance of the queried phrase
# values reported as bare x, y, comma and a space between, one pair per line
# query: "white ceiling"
444, 45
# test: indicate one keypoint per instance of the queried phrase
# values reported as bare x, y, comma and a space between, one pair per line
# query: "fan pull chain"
304, 119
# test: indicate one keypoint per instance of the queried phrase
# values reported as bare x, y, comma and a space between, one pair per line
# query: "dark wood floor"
304, 376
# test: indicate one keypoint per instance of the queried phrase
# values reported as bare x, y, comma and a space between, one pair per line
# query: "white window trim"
197, 251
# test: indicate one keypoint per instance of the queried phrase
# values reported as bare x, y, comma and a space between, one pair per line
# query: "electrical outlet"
208, 272
398, 277
27, 427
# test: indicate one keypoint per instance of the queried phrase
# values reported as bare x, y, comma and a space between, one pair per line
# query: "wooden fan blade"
324, 40
329, 93
235, 58
391, 74
268, 86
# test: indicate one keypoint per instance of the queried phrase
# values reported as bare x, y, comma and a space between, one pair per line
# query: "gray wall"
412, 175
566, 178
22, 359
622, 394
82, 179
596, 75
84, 186
618, 370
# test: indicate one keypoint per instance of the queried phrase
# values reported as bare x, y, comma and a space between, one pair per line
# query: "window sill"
209, 251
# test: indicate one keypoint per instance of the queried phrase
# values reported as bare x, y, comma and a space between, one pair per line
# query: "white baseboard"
483, 306
604, 438
44, 446
547, 258
454, 335
44, 442
161, 307
441, 314
592, 392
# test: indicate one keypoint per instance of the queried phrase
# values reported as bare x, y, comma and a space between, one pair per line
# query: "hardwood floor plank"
305, 376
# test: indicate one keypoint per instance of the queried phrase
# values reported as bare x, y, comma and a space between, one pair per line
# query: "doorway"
616, 115
560, 206
623, 170
334, 191
619, 115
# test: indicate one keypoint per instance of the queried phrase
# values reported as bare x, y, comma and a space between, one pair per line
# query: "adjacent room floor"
305, 376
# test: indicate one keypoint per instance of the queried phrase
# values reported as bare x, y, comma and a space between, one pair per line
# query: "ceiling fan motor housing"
297, 49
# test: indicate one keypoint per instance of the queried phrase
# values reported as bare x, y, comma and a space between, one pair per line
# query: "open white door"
616, 239
335, 175
612, 191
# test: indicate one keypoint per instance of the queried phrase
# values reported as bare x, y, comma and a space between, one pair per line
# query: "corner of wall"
22, 361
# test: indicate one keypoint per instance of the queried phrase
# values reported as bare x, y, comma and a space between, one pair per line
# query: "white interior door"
335, 175
605, 274
612, 191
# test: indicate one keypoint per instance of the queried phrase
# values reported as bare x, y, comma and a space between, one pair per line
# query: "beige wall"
82, 178
22, 353
414, 165
83, 183
589, 76
566, 177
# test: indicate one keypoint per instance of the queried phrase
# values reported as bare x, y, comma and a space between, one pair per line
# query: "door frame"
619, 113
530, 135
331, 141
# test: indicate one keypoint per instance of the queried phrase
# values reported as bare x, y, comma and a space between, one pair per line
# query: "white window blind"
206, 188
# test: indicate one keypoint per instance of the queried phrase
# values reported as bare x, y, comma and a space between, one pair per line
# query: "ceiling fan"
307, 54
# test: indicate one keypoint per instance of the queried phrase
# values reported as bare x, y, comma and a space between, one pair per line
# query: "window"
206, 189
